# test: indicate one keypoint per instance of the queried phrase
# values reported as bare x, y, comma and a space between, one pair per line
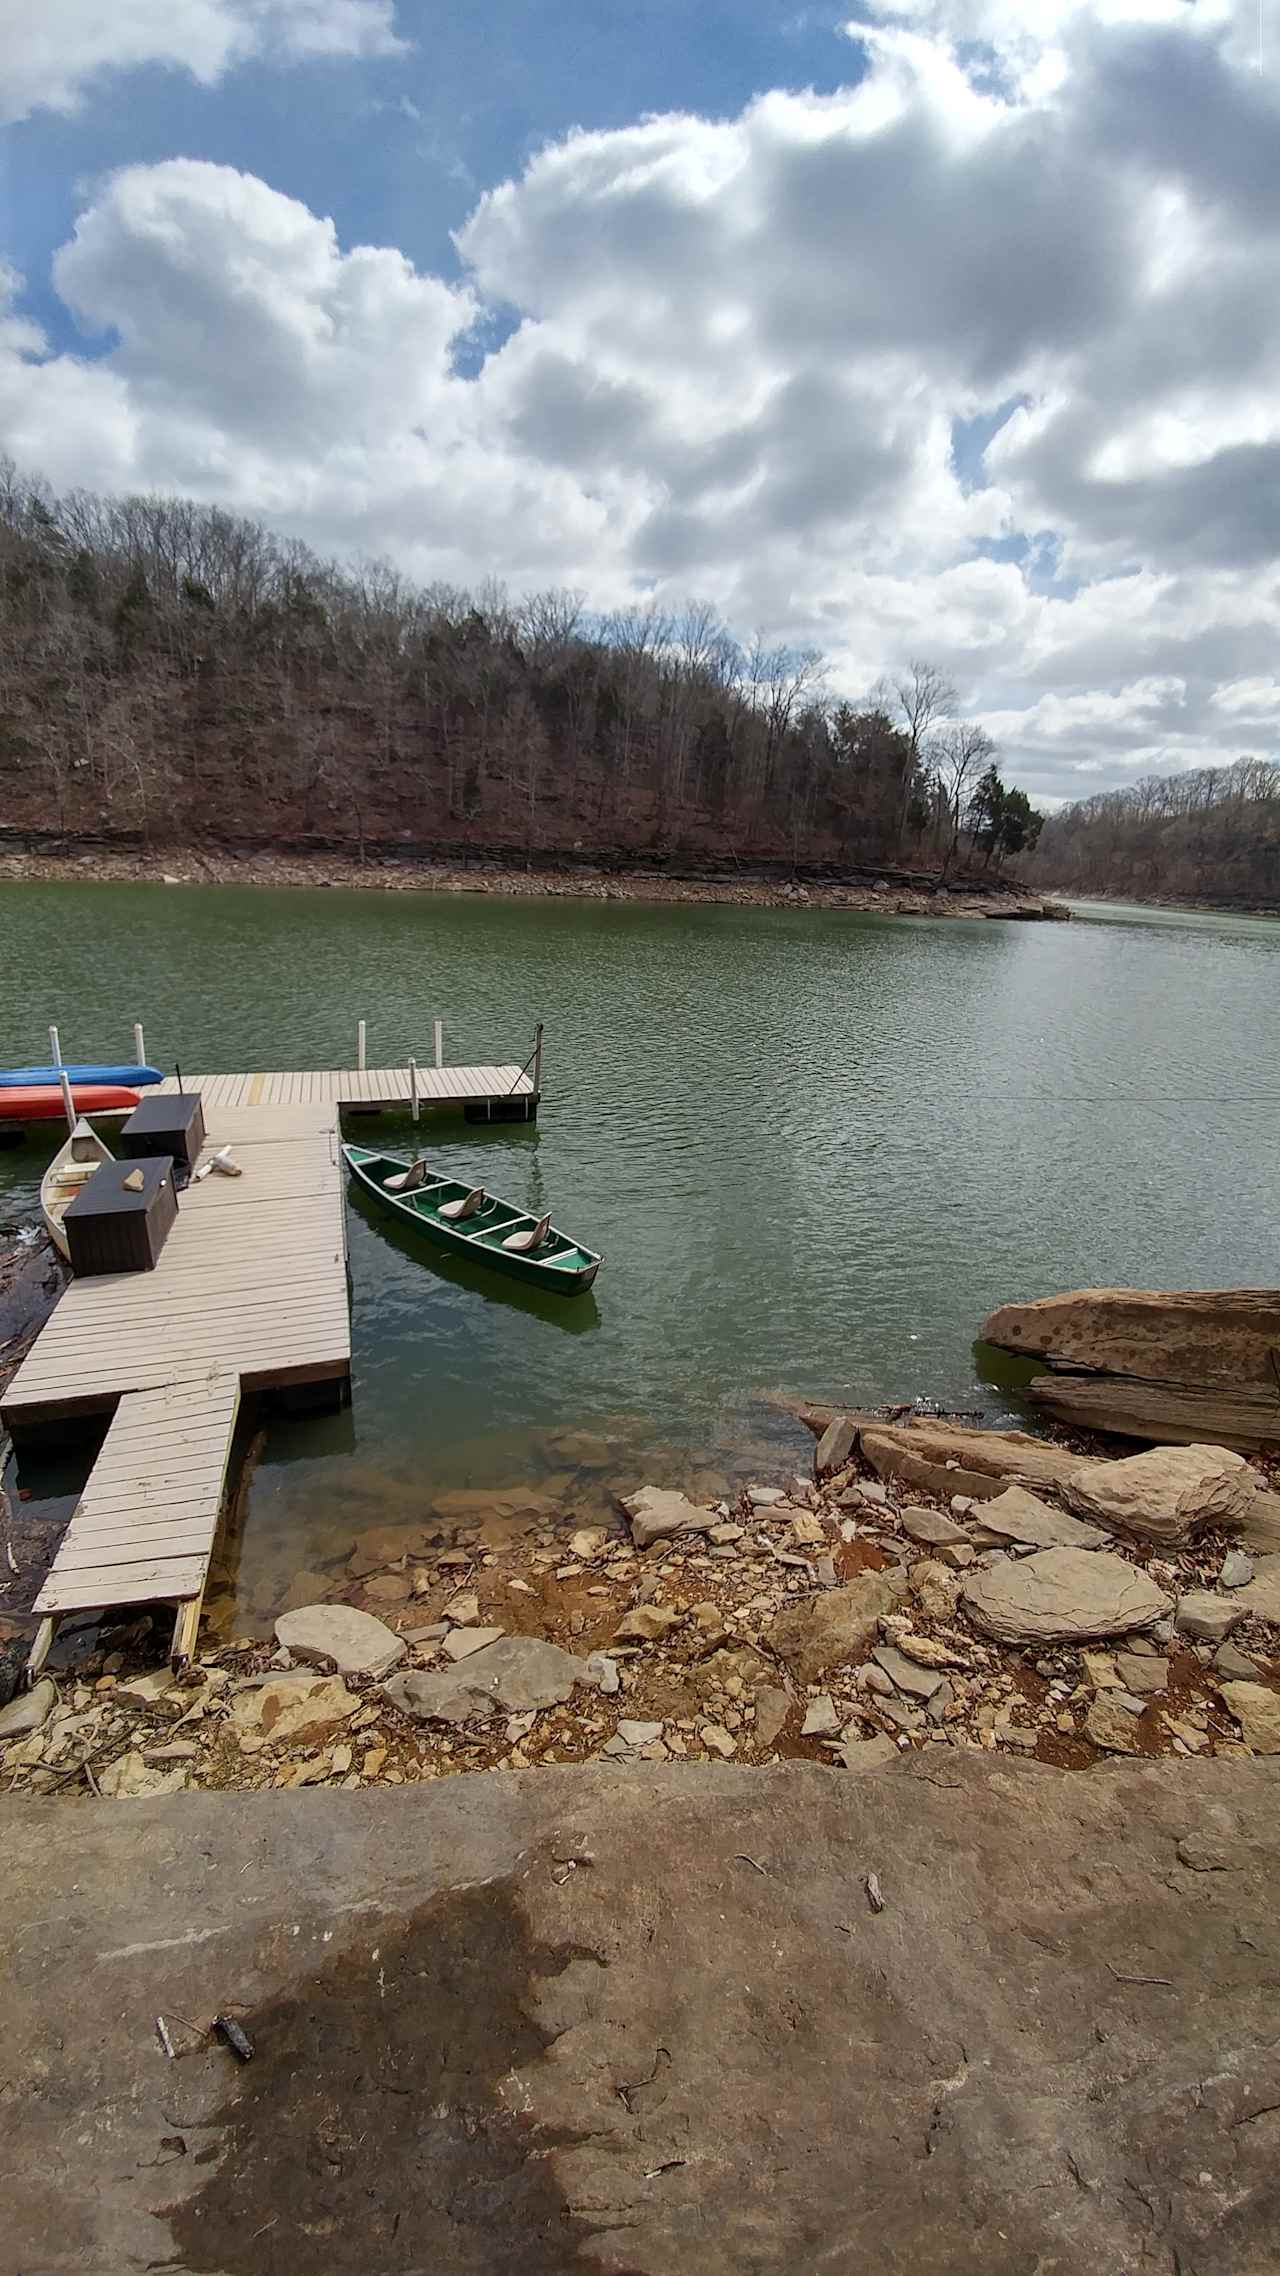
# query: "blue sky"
952, 333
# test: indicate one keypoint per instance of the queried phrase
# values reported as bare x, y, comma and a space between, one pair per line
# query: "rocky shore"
928, 1588
203, 866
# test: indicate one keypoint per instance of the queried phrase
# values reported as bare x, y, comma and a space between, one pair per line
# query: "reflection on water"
815, 1149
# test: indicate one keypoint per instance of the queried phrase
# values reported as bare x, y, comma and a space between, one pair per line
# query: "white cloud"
54, 49
741, 350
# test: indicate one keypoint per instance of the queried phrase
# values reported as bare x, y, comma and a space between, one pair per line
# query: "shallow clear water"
815, 1149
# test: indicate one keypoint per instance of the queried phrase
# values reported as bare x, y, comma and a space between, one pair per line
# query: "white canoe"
67, 1175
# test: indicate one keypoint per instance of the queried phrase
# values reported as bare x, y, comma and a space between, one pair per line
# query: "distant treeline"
1213, 835
170, 670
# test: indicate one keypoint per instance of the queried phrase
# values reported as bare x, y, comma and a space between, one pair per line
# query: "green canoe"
484, 1233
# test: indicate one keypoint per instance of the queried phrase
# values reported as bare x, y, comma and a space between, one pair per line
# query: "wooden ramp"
143, 1529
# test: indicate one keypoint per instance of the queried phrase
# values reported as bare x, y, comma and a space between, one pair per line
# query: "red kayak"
42, 1102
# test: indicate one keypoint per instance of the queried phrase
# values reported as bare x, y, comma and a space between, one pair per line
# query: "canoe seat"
408, 1181
520, 1244
456, 1211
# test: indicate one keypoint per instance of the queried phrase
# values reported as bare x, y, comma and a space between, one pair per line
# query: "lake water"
815, 1148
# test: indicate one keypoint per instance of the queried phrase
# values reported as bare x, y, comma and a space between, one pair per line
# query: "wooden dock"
249, 1294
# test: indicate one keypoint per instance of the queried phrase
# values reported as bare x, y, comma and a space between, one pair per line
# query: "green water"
815, 1149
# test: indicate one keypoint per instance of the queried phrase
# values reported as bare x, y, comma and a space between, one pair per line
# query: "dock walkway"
249, 1293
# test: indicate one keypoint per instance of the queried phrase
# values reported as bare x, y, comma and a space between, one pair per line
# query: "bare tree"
960, 754
923, 697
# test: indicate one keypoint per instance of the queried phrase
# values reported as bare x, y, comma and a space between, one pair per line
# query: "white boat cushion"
457, 1210
521, 1243
408, 1181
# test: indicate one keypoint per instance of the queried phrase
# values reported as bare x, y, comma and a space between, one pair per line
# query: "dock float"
248, 1294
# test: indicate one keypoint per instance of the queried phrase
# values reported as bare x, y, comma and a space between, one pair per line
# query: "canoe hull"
532, 1271
24, 1078
67, 1175
42, 1102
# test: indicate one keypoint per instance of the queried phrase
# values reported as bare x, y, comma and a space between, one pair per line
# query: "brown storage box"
172, 1124
111, 1230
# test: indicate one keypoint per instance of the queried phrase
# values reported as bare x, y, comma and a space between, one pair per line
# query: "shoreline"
204, 866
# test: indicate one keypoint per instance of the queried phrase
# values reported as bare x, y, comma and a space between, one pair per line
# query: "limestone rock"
1166, 1494
1257, 1710
773, 1705
1208, 1617
30, 1711
935, 1588
645, 1624
515, 1674
1016, 1515
602, 1672
820, 1720
291, 1709
868, 1754
931, 1527
835, 1445
1237, 1570
1228, 1660
130, 1778
1142, 1674
981, 1457
146, 1690
1062, 1596
1261, 1599
639, 1734
1110, 1725
464, 1643
657, 1514
341, 1636
918, 1682
820, 1632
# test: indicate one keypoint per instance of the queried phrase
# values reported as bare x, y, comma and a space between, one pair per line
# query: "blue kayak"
135, 1077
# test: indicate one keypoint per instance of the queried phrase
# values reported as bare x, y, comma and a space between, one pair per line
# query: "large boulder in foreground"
1062, 1596
824, 1631
1167, 1494
649, 2011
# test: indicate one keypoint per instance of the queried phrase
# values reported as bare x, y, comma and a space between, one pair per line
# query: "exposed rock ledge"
649, 2021
1185, 1366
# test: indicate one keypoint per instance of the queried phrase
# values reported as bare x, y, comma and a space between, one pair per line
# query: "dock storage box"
166, 1125
109, 1229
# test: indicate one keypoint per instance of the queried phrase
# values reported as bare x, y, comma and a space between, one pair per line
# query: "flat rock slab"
1260, 1599
342, 1637
519, 2024
1016, 1515
1062, 1596
515, 1673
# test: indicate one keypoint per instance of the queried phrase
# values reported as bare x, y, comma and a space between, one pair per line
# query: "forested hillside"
170, 672
1213, 835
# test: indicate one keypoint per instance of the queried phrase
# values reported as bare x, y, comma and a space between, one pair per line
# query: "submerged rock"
1062, 1596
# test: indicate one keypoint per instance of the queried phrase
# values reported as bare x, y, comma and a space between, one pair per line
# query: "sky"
946, 329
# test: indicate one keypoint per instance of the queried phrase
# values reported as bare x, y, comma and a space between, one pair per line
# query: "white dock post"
139, 1047
537, 1061
439, 1028
413, 1088
55, 1048
68, 1102
360, 1045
